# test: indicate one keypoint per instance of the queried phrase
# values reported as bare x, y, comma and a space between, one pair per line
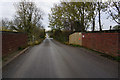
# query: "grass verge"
36, 42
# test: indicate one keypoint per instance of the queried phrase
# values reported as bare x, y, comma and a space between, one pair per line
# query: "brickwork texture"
12, 41
108, 43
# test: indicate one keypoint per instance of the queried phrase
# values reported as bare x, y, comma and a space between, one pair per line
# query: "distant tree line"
28, 19
78, 16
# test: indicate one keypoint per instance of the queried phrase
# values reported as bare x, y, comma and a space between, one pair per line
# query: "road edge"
21, 52
96, 52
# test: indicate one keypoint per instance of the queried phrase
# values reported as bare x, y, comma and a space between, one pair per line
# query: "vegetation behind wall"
62, 36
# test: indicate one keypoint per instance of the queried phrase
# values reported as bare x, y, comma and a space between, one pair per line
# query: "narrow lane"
52, 59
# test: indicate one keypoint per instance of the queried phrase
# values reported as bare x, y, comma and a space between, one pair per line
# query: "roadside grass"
36, 42
74, 45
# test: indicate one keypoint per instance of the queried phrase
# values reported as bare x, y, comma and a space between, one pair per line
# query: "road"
52, 59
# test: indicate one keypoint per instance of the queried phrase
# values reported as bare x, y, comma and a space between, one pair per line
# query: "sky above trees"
8, 11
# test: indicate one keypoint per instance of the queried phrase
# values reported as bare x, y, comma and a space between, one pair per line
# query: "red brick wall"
103, 42
11, 41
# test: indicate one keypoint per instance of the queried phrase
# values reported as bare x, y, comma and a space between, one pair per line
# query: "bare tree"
114, 11
5, 24
28, 17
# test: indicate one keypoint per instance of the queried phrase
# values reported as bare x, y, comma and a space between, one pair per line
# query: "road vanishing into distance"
52, 59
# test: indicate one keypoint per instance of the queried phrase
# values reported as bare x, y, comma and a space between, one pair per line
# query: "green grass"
74, 45
36, 42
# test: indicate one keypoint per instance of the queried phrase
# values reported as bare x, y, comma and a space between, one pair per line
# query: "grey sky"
7, 10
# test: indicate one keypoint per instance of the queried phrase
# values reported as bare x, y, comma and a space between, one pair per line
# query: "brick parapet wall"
11, 41
108, 43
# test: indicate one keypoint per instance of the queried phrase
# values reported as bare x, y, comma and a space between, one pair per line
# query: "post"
110, 27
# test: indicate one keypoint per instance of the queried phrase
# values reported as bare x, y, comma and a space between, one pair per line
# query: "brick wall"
108, 43
11, 41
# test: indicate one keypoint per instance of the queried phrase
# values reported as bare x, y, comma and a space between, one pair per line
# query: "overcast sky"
7, 10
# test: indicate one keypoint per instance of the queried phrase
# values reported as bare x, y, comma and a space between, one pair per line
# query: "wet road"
52, 59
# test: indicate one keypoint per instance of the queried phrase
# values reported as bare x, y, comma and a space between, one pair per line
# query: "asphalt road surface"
52, 59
